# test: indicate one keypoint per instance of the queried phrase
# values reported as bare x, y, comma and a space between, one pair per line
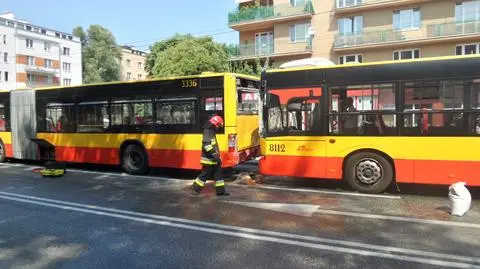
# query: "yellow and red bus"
373, 124
141, 124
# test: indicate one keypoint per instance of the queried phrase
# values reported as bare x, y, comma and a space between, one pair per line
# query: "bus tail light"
232, 143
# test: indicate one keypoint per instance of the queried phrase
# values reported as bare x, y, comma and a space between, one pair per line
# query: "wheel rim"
135, 160
368, 171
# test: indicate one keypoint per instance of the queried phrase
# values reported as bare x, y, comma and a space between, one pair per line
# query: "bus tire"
135, 160
3, 153
368, 172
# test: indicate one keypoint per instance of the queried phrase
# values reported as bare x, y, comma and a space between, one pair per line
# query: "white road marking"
325, 192
102, 177
257, 234
308, 210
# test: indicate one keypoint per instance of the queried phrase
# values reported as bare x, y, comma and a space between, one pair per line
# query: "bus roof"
391, 62
203, 75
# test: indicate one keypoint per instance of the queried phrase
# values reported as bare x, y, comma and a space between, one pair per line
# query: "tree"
189, 56
161, 46
100, 54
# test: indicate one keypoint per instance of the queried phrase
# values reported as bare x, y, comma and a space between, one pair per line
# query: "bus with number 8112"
374, 124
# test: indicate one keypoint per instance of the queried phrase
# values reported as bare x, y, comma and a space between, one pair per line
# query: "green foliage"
100, 54
189, 56
249, 68
161, 46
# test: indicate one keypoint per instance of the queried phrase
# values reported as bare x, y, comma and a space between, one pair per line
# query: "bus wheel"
3, 154
135, 160
368, 172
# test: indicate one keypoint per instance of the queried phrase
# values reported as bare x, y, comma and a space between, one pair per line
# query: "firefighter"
211, 161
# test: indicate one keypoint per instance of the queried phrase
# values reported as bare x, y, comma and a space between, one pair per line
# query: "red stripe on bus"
87, 155
8, 150
447, 172
407, 171
186, 159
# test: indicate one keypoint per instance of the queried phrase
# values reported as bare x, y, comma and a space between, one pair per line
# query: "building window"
29, 43
264, 43
128, 62
30, 60
129, 76
67, 66
139, 76
47, 46
49, 79
48, 63
5, 57
67, 82
467, 11
299, 32
406, 54
139, 64
297, 3
348, 3
66, 51
354, 58
467, 49
43, 31
406, 19
6, 76
349, 26
30, 78
5, 39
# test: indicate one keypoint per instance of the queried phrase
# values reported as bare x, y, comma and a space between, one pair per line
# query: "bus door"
294, 144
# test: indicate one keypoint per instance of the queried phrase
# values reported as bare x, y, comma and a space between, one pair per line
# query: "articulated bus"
142, 124
374, 124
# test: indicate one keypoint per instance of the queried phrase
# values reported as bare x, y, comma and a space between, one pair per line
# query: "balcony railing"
255, 51
344, 4
427, 32
36, 84
448, 29
250, 14
41, 69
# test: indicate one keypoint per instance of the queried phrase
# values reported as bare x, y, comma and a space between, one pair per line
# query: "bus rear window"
248, 102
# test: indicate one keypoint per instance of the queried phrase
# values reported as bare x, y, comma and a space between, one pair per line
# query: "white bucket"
460, 199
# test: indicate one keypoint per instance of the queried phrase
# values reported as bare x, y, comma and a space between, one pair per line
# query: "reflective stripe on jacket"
210, 150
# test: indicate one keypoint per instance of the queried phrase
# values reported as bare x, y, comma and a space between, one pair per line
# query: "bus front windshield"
293, 110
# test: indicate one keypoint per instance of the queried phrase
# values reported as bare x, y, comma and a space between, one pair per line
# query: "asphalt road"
107, 219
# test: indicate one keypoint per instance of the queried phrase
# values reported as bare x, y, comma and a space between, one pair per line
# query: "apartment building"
347, 31
133, 64
34, 56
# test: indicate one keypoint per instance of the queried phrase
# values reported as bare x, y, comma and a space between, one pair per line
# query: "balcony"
251, 52
41, 70
352, 6
250, 18
431, 33
36, 84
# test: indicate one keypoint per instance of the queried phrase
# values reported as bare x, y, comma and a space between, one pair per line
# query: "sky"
139, 22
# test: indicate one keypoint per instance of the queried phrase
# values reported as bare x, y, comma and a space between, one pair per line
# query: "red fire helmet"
217, 121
